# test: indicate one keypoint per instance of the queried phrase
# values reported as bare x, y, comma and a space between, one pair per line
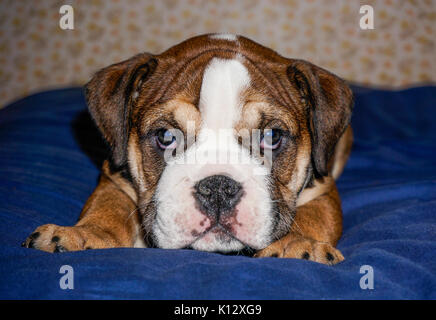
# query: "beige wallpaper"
36, 54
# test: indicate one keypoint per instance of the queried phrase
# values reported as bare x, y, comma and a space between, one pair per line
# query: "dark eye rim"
160, 141
281, 137
280, 131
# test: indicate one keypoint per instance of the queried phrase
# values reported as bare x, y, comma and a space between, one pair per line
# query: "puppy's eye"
271, 139
165, 139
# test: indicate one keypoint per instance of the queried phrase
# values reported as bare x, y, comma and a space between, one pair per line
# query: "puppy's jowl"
276, 197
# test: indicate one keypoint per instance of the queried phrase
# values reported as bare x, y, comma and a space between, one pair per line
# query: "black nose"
217, 194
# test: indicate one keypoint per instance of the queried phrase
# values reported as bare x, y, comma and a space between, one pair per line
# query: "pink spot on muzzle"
192, 223
245, 224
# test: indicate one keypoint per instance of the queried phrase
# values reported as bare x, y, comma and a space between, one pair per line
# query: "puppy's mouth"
220, 232
222, 235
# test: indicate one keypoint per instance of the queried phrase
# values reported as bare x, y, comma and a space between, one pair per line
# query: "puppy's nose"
217, 194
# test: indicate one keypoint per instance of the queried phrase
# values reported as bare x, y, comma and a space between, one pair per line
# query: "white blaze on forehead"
220, 95
224, 36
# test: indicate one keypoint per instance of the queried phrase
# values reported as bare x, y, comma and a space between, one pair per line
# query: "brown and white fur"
215, 82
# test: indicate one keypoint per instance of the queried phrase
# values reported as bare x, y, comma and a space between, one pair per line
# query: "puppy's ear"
329, 101
109, 95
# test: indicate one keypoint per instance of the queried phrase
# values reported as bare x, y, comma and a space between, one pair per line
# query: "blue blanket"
50, 155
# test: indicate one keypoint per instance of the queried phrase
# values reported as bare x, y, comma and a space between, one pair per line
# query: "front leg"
108, 219
316, 229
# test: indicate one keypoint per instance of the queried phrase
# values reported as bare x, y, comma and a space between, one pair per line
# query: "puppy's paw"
302, 248
54, 238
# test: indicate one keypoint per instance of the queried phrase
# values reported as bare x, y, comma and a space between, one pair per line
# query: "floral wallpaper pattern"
36, 54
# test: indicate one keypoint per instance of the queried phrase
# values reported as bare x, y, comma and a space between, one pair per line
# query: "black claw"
88, 248
305, 255
60, 248
31, 244
274, 255
34, 235
330, 257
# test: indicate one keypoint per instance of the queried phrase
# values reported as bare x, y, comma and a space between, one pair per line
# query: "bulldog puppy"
157, 111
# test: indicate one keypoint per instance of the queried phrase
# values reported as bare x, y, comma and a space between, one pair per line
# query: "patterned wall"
36, 54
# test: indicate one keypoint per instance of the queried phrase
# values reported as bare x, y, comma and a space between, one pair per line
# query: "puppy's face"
219, 135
